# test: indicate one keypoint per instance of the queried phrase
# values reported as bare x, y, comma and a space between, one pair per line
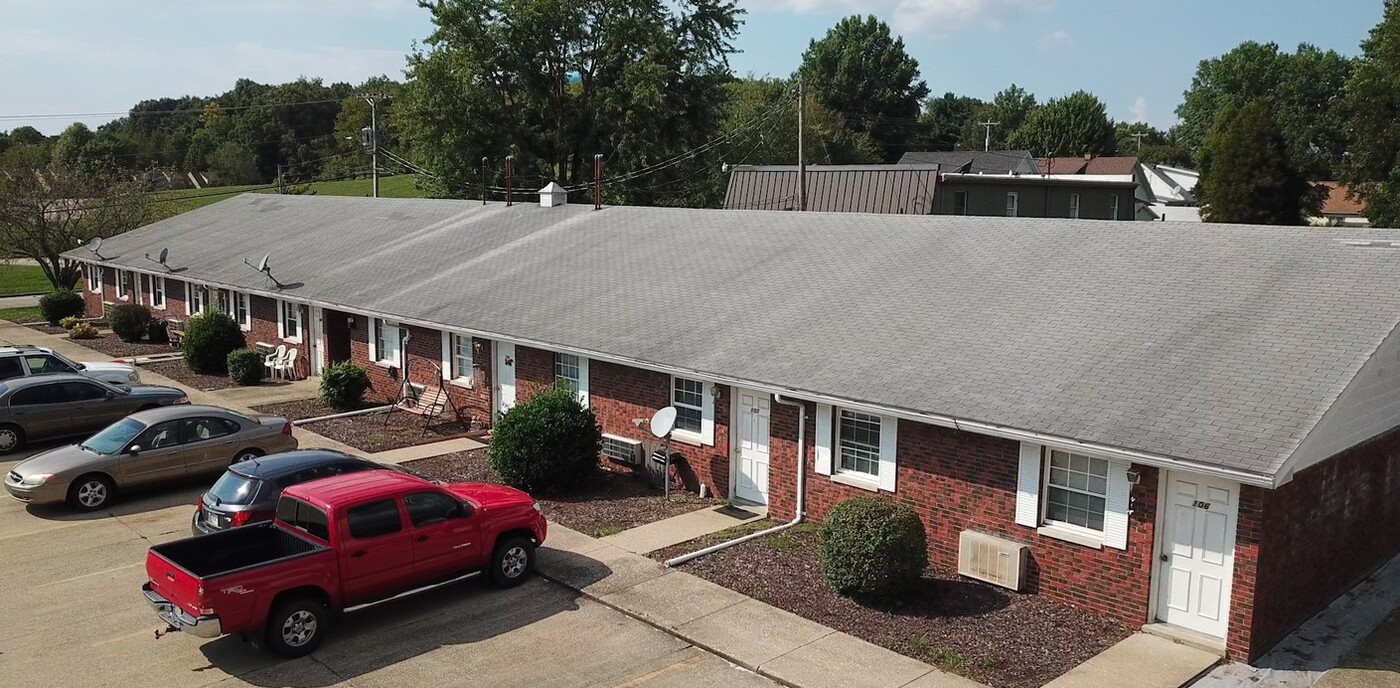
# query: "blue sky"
70, 56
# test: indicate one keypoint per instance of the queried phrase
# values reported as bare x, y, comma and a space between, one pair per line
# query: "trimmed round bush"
549, 444
60, 304
343, 386
83, 331
245, 366
68, 322
872, 548
130, 321
209, 339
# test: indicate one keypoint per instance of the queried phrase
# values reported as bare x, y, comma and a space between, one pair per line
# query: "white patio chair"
273, 360
287, 368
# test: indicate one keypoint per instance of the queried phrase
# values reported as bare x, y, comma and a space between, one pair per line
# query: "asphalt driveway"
73, 616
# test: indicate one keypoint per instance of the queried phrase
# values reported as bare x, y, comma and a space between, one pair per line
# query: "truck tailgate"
173, 583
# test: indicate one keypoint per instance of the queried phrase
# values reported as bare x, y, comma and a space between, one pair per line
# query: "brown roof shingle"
1338, 203
1079, 165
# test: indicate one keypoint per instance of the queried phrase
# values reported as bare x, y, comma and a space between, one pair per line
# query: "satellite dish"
262, 264
164, 255
664, 421
96, 244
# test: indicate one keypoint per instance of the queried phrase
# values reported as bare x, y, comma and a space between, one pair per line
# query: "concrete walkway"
18, 301
1375, 663
1152, 662
273, 392
677, 529
742, 630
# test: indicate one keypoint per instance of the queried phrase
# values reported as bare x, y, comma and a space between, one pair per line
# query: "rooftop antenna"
96, 247
164, 256
264, 268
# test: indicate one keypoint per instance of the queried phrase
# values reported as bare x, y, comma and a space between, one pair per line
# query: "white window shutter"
707, 410
281, 319
822, 444
583, 392
889, 441
1115, 514
446, 356
372, 331
1028, 486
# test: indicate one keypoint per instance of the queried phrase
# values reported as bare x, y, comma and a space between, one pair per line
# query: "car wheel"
295, 627
512, 562
247, 454
11, 438
90, 492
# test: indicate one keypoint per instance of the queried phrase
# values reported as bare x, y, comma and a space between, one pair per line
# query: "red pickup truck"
337, 544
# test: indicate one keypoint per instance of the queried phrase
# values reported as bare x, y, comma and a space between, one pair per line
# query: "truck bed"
214, 555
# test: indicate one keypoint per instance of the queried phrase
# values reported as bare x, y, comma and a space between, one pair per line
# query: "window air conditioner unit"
622, 449
992, 559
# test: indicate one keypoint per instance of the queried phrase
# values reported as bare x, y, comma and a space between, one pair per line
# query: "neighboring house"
1340, 210
1163, 192
1007, 195
834, 188
1166, 435
974, 162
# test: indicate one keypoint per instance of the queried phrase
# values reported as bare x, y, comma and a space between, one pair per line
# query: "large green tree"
1008, 110
1247, 174
1304, 88
1073, 125
1372, 109
641, 83
862, 72
946, 117
1150, 144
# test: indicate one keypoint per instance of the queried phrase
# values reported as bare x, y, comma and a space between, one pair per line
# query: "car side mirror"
111, 395
134, 449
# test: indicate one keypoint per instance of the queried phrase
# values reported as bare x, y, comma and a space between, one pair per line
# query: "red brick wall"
424, 351
959, 481
1306, 543
175, 306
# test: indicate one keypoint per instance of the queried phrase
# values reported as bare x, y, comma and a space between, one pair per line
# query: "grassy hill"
185, 200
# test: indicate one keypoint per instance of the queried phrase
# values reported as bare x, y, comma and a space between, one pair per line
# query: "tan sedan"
157, 446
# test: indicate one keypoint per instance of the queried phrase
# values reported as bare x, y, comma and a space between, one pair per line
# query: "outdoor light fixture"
1133, 477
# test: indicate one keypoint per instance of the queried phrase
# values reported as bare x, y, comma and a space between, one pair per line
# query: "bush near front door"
209, 339
549, 444
872, 548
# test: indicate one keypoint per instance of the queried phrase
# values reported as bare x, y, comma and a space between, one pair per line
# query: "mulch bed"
984, 632
180, 372
50, 329
613, 503
113, 346
373, 432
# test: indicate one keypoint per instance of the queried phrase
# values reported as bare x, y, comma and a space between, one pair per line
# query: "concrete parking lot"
73, 616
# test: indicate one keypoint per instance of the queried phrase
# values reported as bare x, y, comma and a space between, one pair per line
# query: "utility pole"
801, 135
281, 188
1139, 136
987, 143
371, 141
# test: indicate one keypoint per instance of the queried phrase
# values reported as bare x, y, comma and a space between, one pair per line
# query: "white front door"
317, 356
751, 445
1198, 553
505, 376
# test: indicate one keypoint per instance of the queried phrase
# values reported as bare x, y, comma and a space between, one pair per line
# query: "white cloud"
1140, 109
939, 17
1055, 39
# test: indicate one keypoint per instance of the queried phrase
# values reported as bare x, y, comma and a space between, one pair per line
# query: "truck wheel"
90, 492
295, 627
512, 562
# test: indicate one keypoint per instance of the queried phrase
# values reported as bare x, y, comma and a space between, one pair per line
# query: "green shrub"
209, 339
548, 444
343, 386
245, 366
83, 331
130, 321
68, 322
57, 305
872, 548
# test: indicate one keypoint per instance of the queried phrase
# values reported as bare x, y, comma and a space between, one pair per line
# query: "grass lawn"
23, 279
23, 314
185, 200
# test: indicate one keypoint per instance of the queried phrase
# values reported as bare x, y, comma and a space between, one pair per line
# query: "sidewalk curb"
671, 631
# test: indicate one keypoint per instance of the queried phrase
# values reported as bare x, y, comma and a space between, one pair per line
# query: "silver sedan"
157, 446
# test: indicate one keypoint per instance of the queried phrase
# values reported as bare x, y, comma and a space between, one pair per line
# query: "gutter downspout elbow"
801, 511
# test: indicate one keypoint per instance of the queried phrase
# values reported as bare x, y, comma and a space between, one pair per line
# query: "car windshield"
115, 436
232, 488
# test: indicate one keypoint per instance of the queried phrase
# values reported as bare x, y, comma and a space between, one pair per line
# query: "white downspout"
801, 491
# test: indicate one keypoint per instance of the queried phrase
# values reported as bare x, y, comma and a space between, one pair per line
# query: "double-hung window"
856, 448
223, 301
1076, 490
126, 284
858, 444
94, 278
289, 321
1013, 204
158, 293
242, 310
458, 361
1074, 205
1074, 497
695, 410
572, 372
1115, 206
194, 298
385, 338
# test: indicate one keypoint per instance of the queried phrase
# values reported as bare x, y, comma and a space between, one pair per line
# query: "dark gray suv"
41, 407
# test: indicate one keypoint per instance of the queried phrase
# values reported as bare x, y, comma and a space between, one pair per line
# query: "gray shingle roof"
834, 188
1216, 344
975, 162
